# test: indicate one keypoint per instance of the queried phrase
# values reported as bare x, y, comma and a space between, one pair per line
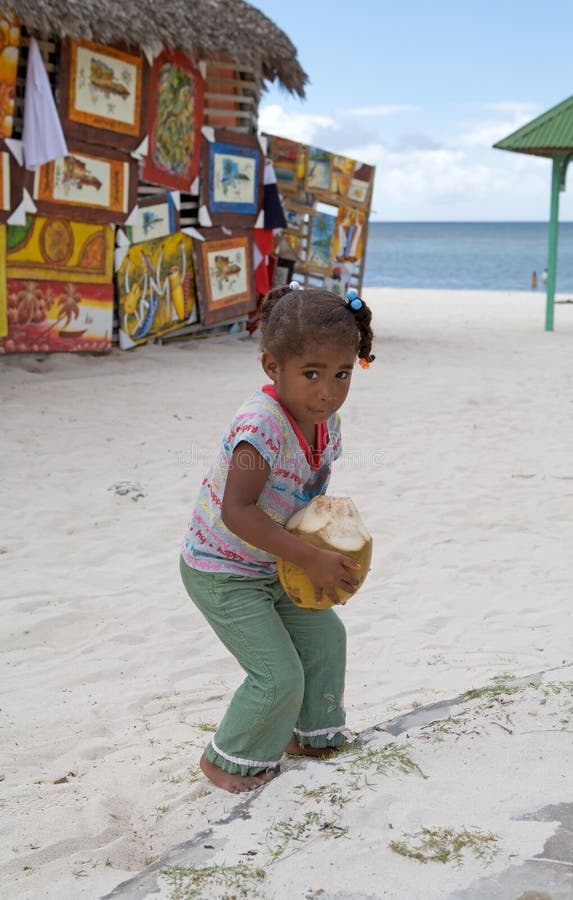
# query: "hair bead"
295, 286
352, 300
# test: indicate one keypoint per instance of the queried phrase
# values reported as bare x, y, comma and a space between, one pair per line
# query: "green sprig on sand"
446, 845
189, 882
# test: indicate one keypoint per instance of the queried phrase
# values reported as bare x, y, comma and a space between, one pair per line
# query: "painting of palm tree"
68, 307
321, 233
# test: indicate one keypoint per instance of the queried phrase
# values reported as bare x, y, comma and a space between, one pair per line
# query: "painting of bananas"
156, 289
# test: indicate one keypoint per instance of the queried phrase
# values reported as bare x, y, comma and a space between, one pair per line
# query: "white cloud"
461, 178
384, 110
489, 132
516, 107
296, 126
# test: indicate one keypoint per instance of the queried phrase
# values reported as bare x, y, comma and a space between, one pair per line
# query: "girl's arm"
248, 474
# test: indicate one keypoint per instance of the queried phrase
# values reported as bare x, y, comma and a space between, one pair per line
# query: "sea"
483, 256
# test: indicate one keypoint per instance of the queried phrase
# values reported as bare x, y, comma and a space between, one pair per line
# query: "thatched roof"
200, 28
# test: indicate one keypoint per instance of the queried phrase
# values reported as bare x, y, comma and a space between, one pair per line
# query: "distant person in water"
534, 279
544, 276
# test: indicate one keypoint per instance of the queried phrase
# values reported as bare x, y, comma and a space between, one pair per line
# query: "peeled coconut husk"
331, 523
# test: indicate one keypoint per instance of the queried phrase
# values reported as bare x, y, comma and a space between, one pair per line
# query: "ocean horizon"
488, 256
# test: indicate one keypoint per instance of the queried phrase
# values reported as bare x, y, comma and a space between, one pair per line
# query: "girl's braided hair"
291, 319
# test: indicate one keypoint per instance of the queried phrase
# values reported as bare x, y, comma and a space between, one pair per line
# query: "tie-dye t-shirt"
296, 477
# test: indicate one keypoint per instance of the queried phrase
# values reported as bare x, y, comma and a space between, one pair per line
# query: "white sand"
459, 456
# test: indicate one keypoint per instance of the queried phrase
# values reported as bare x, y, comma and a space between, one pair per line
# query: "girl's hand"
327, 570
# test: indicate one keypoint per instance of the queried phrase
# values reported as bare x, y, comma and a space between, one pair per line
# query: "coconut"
331, 523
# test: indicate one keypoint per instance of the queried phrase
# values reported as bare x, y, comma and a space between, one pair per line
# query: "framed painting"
318, 171
11, 183
348, 236
232, 178
57, 248
10, 48
3, 298
289, 162
320, 241
283, 272
225, 280
341, 172
156, 289
48, 316
155, 217
101, 93
174, 121
360, 186
93, 184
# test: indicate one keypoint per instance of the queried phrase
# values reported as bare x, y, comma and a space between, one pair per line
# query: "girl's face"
314, 385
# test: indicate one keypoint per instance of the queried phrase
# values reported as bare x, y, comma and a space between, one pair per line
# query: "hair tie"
363, 363
352, 301
294, 286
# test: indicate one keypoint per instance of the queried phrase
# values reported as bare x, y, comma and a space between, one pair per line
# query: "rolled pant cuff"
324, 737
236, 765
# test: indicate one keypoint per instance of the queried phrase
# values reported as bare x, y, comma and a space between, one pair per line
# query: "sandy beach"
458, 455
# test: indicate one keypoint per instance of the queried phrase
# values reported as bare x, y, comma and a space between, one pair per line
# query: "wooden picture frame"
174, 122
321, 234
156, 217
360, 188
92, 183
318, 171
232, 167
156, 289
224, 274
289, 162
12, 177
283, 271
102, 93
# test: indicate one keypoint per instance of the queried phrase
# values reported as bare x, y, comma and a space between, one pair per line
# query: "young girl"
275, 456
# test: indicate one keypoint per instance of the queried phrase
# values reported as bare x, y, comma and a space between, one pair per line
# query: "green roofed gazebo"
551, 135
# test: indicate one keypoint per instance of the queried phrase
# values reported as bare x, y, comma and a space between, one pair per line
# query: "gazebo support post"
558, 171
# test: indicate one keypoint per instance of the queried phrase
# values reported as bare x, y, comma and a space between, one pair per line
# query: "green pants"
295, 660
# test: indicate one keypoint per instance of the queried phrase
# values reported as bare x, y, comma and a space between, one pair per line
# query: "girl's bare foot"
235, 784
295, 749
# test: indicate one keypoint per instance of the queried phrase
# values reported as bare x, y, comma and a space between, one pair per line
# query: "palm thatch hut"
105, 63
242, 48
203, 29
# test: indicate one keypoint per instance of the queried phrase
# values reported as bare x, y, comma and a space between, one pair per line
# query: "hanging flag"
43, 138
274, 213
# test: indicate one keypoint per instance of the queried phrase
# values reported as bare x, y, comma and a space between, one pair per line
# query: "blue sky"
422, 89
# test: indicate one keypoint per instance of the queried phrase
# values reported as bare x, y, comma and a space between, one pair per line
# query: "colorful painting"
54, 247
224, 268
360, 184
155, 217
56, 316
348, 238
341, 173
3, 297
8, 173
156, 289
102, 87
318, 172
100, 188
10, 45
231, 178
175, 120
289, 161
321, 234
